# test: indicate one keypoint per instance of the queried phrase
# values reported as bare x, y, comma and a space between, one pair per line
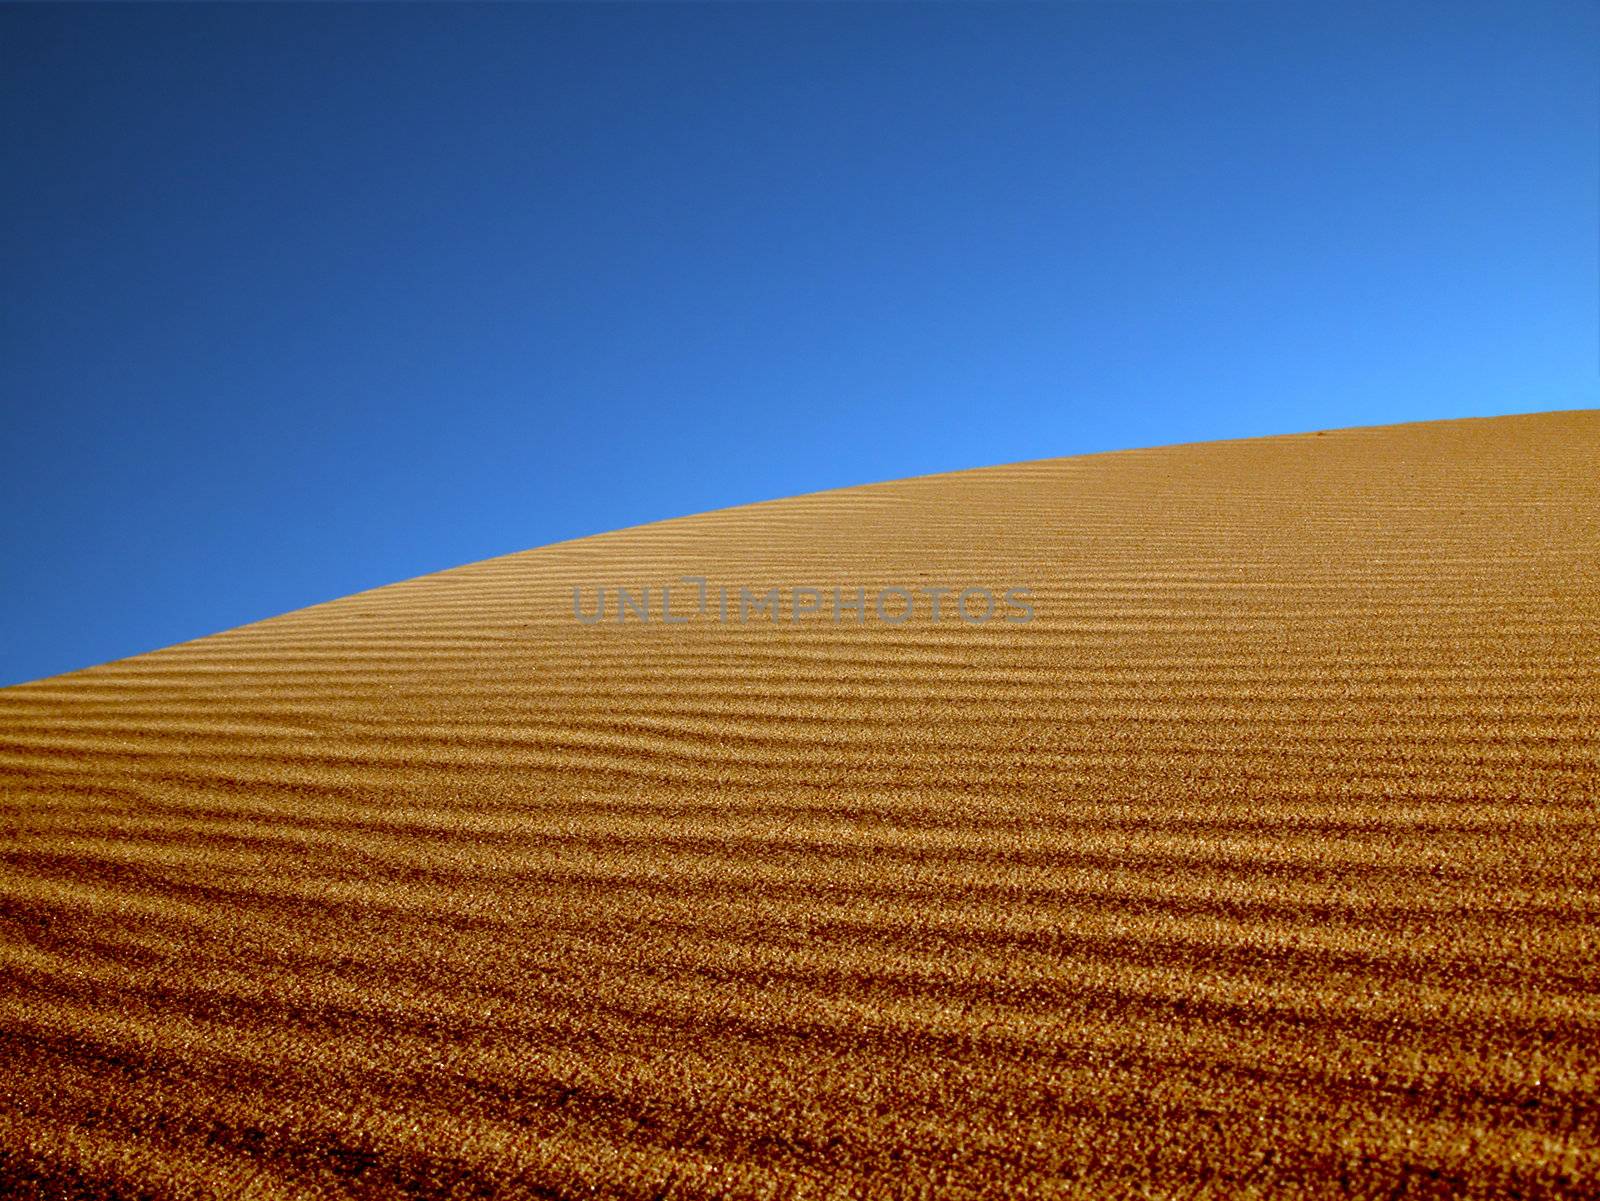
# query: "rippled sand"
1264, 861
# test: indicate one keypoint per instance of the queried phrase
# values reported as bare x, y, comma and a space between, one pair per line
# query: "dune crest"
1260, 860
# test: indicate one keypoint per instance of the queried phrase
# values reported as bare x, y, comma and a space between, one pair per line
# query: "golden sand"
1264, 861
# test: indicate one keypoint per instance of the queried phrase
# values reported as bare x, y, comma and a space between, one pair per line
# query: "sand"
1263, 861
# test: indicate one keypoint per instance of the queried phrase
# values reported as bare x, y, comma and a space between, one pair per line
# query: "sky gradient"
303, 300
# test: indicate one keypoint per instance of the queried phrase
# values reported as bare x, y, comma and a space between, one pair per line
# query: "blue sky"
304, 300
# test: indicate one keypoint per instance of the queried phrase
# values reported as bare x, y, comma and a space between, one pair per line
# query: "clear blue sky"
305, 300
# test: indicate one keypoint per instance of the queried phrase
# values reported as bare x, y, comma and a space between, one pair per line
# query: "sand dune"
1265, 860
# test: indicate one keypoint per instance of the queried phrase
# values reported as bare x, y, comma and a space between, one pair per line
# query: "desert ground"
1263, 861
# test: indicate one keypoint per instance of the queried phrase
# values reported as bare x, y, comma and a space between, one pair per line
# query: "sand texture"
1264, 861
